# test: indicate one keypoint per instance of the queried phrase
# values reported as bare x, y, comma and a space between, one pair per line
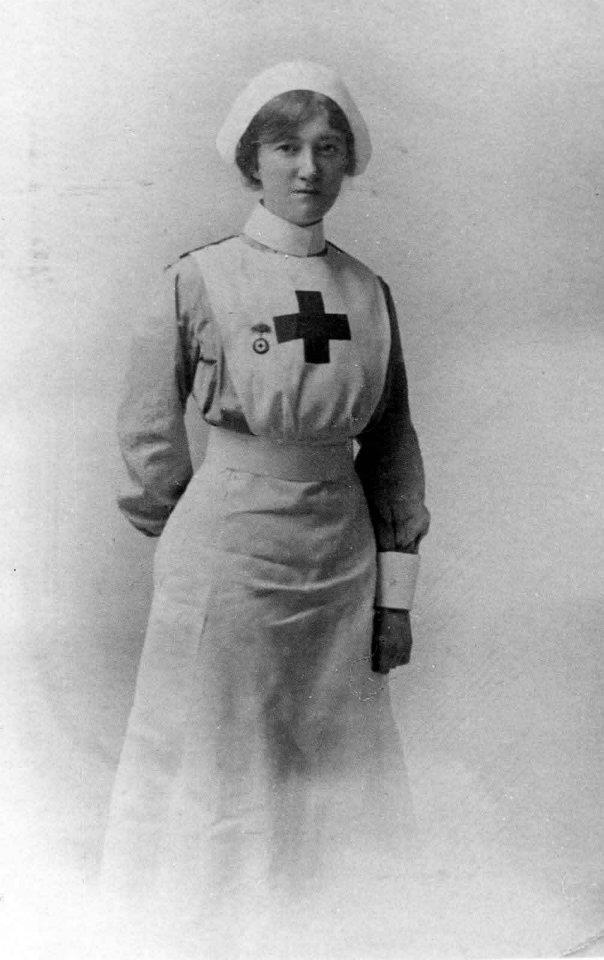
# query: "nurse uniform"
261, 752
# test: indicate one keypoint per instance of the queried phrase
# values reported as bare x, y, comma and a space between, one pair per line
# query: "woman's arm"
390, 466
389, 462
151, 427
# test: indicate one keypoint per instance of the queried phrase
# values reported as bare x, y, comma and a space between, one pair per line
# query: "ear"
255, 173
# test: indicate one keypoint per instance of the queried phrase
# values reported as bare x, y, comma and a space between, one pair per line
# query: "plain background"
482, 208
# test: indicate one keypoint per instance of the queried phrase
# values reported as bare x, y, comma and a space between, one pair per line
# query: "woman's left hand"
391, 646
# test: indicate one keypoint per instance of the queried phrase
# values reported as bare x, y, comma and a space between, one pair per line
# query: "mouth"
307, 192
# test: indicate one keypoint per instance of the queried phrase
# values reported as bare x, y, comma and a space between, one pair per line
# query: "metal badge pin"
261, 344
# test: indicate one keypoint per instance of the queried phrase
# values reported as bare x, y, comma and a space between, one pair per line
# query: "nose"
307, 163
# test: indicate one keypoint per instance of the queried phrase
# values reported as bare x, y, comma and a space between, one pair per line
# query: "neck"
272, 231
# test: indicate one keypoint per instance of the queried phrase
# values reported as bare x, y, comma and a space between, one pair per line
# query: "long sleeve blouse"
179, 353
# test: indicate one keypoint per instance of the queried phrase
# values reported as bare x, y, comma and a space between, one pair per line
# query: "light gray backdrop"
482, 208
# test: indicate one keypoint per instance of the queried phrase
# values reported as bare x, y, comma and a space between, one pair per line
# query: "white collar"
281, 235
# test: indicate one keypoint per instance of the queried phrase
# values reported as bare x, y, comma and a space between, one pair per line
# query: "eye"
287, 148
332, 149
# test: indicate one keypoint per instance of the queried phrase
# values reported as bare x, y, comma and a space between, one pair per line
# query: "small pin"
261, 344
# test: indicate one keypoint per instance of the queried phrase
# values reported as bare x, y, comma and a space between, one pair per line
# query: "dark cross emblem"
312, 325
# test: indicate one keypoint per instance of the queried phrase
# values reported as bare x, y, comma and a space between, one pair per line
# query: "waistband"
303, 461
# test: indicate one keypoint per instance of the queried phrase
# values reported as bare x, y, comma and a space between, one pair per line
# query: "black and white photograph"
303, 424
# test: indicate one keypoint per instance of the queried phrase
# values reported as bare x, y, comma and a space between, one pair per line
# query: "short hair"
280, 118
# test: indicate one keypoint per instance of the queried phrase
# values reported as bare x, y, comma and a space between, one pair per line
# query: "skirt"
261, 761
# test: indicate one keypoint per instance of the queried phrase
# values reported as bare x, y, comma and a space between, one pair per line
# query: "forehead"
318, 125
284, 115
314, 128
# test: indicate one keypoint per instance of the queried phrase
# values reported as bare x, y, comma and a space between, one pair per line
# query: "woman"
261, 757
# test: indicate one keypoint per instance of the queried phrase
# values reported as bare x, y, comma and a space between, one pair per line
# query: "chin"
310, 215
309, 220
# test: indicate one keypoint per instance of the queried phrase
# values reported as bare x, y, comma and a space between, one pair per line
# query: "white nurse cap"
295, 75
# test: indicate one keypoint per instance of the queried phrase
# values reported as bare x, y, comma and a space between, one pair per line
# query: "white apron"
261, 760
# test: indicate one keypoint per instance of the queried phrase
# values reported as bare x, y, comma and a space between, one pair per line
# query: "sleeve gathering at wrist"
396, 579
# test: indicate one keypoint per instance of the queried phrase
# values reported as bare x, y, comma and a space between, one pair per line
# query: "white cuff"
396, 579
